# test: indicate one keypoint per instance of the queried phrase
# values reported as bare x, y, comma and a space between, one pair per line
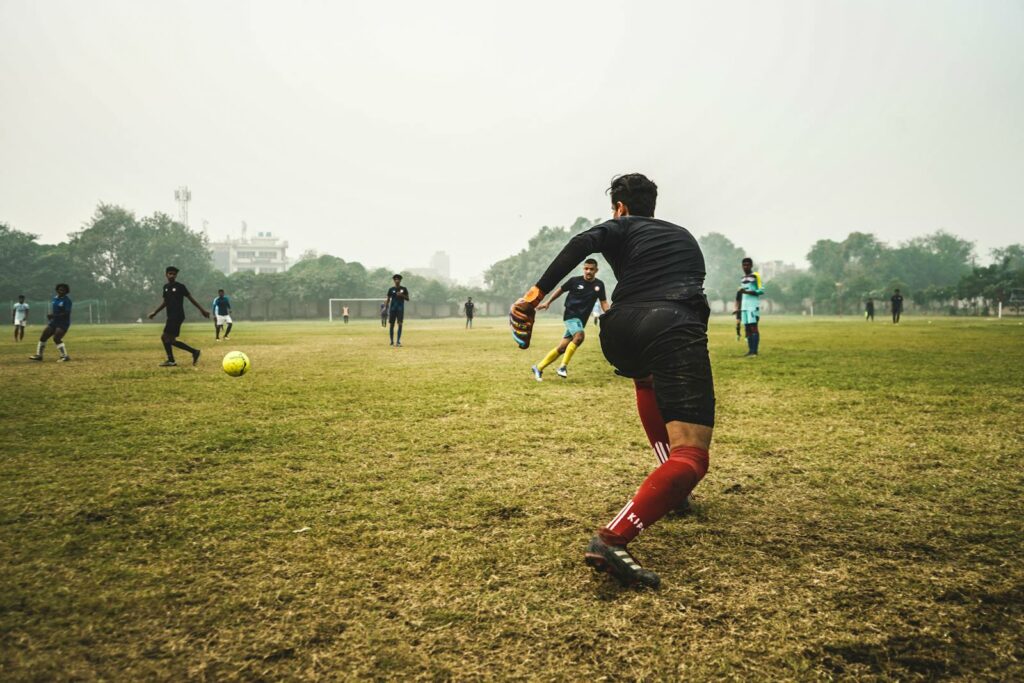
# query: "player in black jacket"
655, 333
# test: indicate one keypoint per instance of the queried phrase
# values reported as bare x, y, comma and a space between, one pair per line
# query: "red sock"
650, 417
664, 489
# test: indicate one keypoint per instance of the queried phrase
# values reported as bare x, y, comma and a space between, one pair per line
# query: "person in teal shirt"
750, 291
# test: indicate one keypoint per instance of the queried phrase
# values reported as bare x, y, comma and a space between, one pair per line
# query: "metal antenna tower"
183, 196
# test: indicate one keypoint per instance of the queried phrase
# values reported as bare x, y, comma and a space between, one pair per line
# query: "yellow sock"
569, 350
548, 359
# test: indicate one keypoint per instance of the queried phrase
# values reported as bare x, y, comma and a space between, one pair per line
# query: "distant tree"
18, 254
722, 263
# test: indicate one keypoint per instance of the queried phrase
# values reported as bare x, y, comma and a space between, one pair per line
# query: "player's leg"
392, 318
178, 344
570, 349
401, 319
551, 357
58, 341
684, 397
227, 330
43, 338
216, 327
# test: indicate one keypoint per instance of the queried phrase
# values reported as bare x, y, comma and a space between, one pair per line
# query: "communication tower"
183, 196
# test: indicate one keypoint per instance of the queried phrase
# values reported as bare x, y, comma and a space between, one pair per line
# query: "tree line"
119, 259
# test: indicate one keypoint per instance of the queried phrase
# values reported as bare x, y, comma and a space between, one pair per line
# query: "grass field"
350, 510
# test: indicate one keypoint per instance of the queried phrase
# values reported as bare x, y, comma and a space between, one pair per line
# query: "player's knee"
578, 338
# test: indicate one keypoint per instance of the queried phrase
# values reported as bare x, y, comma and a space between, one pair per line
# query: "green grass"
862, 518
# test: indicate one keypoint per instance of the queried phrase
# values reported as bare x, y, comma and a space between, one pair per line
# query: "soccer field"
351, 510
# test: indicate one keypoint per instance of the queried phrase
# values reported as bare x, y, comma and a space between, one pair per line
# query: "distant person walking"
397, 296
384, 315
19, 316
222, 315
344, 314
869, 310
469, 307
897, 306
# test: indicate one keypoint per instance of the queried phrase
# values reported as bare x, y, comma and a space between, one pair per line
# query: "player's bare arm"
547, 304
159, 308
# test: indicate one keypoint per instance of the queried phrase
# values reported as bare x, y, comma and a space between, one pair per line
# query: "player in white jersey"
19, 316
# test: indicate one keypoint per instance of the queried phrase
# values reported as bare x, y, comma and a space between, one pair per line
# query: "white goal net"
357, 308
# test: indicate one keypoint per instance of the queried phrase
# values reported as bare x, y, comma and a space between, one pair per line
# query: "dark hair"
220, 290
590, 260
170, 269
747, 259
636, 191
21, 296
396, 275
61, 284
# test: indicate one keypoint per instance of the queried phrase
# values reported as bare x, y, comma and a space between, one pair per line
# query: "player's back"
653, 260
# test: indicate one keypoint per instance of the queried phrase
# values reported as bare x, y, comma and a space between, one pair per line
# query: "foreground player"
656, 333
222, 315
175, 294
751, 290
584, 292
397, 296
58, 322
19, 316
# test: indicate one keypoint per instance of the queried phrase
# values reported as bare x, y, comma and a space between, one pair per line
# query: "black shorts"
172, 327
669, 341
396, 315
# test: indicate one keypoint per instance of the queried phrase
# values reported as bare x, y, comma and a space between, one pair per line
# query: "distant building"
263, 253
440, 268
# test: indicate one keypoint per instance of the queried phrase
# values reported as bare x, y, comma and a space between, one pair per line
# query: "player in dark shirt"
582, 292
869, 309
397, 296
384, 315
58, 323
175, 294
656, 333
468, 307
896, 302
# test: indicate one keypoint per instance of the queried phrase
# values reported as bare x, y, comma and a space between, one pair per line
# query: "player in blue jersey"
397, 296
582, 293
751, 290
58, 321
222, 314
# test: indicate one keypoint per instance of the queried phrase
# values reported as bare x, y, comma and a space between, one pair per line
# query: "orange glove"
520, 317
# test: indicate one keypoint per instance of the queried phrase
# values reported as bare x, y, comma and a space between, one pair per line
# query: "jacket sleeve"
577, 249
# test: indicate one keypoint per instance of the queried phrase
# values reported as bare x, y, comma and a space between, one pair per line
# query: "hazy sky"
384, 131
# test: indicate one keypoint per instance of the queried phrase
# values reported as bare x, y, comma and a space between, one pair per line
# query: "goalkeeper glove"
520, 317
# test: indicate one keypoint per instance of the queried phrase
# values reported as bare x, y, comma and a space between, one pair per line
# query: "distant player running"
468, 307
175, 294
397, 296
751, 290
896, 302
582, 294
19, 316
222, 315
656, 333
58, 322
384, 314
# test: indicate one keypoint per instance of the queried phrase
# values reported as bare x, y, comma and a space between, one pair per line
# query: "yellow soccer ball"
236, 364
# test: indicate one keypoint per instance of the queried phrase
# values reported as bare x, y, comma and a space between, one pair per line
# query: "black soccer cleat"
195, 357
616, 560
35, 356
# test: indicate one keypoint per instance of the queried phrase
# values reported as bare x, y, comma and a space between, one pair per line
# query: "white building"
263, 253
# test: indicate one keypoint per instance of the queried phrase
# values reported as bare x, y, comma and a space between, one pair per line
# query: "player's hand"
151, 316
206, 314
521, 315
544, 306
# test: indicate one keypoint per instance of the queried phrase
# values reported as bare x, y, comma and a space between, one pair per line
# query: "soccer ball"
236, 364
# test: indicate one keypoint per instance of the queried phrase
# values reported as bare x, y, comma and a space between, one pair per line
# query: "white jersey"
20, 313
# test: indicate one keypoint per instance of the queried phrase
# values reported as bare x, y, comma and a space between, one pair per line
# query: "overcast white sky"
384, 131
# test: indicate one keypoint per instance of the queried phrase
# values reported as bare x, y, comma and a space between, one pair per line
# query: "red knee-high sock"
664, 489
650, 417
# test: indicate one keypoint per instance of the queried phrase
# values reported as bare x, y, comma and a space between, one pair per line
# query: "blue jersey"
221, 305
60, 309
398, 295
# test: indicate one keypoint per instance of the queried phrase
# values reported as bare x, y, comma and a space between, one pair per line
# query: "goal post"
358, 308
